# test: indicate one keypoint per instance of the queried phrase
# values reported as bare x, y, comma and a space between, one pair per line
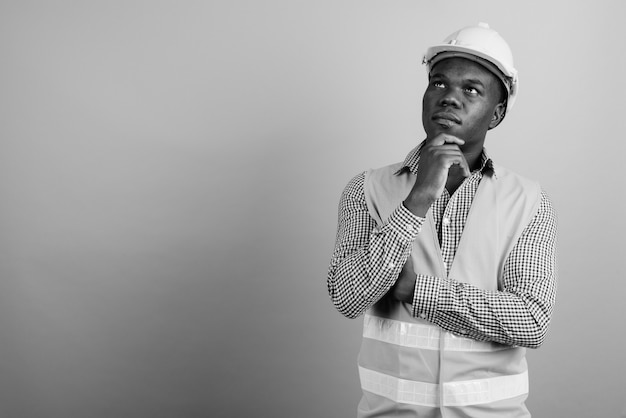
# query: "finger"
449, 156
450, 139
463, 165
442, 139
446, 152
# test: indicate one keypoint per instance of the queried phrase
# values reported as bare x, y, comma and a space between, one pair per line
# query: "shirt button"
463, 331
422, 315
409, 228
446, 221
391, 265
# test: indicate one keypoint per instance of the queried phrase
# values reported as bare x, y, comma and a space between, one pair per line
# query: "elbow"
344, 302
345, 309
533, 343
535, 337
350, 315
538, 340
537, 322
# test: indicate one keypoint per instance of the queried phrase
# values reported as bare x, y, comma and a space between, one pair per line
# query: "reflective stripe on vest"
459, 393
416, 335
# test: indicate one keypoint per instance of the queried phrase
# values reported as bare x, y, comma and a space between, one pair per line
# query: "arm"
367, 259
517, 315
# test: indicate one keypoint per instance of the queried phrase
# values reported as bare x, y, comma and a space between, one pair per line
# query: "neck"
473, 159
472, 151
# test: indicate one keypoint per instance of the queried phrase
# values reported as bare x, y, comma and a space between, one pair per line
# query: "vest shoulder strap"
385, 190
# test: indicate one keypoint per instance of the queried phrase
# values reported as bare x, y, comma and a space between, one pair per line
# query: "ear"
498, 115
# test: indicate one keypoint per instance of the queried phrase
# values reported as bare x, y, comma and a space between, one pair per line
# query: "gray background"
170, 173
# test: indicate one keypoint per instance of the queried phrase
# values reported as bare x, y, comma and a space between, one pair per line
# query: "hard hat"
484, 46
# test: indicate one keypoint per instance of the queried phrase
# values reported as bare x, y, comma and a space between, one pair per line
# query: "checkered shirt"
359, 273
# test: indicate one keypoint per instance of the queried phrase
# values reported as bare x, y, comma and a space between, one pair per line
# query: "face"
462, 99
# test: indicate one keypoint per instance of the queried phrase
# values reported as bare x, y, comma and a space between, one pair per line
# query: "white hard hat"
483, 45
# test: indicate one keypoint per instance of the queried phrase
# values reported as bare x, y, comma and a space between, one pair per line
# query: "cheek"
484, 112
429, 100
425, 102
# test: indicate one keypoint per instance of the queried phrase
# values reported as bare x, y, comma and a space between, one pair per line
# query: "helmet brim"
436, 53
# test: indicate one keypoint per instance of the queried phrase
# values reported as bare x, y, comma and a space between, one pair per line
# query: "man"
450, 257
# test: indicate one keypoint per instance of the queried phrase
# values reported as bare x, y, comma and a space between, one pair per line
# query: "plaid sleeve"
367, 258
517, 315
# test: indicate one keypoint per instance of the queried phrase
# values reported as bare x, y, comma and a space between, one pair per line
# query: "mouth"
446, 119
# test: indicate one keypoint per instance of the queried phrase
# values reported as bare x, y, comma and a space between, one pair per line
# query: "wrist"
418, 205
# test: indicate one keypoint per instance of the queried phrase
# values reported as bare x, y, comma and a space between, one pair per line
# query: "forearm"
505, 317
359, 277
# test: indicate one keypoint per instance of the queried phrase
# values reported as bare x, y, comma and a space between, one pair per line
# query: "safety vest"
410, 367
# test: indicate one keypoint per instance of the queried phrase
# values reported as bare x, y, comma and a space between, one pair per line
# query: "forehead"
462, 68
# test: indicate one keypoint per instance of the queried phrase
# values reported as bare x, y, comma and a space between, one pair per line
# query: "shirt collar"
413, 157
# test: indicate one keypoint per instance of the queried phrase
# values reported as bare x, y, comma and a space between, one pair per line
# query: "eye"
471, 90
439, 84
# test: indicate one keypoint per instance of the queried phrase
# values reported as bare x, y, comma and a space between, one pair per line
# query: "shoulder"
385, 176
355, 185
546, 208
515, 185
529, 189
388, 170
513, 177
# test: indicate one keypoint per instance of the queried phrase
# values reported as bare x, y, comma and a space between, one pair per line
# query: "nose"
450, 99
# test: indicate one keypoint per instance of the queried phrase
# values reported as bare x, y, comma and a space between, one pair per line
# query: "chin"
437, 129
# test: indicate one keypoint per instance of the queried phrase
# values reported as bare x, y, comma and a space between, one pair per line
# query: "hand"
437, 157
404, 287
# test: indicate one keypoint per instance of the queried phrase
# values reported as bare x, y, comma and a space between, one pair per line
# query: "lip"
446, 116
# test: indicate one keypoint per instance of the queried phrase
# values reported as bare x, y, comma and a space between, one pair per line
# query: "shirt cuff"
405, 223
425, 296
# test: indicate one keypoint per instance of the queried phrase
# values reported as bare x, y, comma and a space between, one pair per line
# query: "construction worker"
449, 257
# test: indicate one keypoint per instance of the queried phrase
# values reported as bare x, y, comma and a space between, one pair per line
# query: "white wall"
170, 173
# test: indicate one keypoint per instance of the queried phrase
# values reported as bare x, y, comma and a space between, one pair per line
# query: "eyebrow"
468, 80
474, 81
